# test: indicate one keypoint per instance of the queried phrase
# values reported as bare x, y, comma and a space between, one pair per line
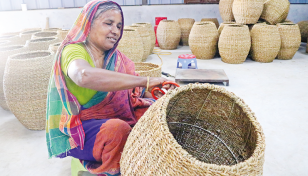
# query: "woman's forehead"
111, 15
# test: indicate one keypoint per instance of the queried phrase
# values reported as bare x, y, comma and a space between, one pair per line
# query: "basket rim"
11, 57
47, 39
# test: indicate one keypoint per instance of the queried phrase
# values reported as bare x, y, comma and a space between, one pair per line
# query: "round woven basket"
62, 34
148, 69
222, 25
151, 33
198, 129
247, 11
225, 9
234, 44
168, 34
14, 39
214, 20
275, 11
290, 40
54, 47
185, 25
44, 35
303, 26
265, 42
5, 52
24, 36
131, 45
40, 43
25, 85
203, 40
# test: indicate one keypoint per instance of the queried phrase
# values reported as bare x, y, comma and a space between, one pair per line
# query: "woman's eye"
108, 24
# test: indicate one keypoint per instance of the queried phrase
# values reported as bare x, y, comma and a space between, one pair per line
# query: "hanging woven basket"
148, 69
234, 44
186, 25
62, 34
25, 85
54, 47
247, 11
265, 42
222, 25
24, 36
290, 40
214, 20
168, 34
203, 39
40, 43
275, 11
44, 35
198, 129
5, 52
131, 45
303, 26
151, 33
225, 9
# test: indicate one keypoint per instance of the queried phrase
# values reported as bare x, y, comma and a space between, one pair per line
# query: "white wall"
12, 21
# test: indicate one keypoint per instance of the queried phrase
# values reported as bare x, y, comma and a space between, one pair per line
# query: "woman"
94, 96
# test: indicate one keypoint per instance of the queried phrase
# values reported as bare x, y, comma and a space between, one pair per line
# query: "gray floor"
277, 92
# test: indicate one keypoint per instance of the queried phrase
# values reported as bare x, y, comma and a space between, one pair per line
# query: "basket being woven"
40, 43
44, 35
25, 85
303, 26
151, 33
275, 11
148, 69
225, 9
168, 34
247, 11
198, 129
186, 24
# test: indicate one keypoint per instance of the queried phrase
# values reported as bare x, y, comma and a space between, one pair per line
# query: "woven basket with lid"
40, 43
225, 9
247, 11
198, 129
275, 11
168, 34
151, 33
186, 25
44, 35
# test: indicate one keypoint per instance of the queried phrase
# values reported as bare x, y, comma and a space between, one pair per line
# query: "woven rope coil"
265, 42
44, 35
131, 45
234, 44
225, 9
203, 40
5, 52
275, 11
185, 25
151, 33
148, 69
222, 25
290, 40
54, 47
214, 20
24, 36
40, 43
247, 11
303, 26
168, 34
156, 147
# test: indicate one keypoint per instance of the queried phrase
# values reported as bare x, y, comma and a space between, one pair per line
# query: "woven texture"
62, 34
4, 42
185, 25
25, 87
234, 44
168, 34
290, 40
151, 33
24, 36
44, 35
265, 42
40, 43
158, 147
5, 52
303, 26
247, 11
148, 69
222, 25
14, 39
214, 20
203, 40
54, 47
225, 9
131, 45
275, 11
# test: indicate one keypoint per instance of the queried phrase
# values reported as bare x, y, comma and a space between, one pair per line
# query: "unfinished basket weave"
168, 34
234, 44
148, 69
247, 11
40, 43
44, 35
131, 45
275, 11
198, 129
214, 20
54, 47
303, 26
265, 42
24, 36
203, 40
186, 25
225, 9
222, 25
151, 33
5, 52
290, 40
26, 79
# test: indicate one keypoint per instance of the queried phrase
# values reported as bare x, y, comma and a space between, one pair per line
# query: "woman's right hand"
156, 82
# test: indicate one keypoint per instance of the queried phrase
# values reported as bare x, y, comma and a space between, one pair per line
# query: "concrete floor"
277, 92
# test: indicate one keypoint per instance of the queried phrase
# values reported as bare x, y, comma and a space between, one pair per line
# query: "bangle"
148, 82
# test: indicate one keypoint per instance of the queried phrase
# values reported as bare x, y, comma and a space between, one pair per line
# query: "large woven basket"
62, 34
303, 26
214, 20
5, 52
265, 42
198, 129
151, 33
225, 9
44, 35
275, 11
148, 69
168, 34
131, 45
54, 47
247, 11
186, 25
203, 40
290, 40
26, 79
222, 25
234, 44
24, 36
40, 43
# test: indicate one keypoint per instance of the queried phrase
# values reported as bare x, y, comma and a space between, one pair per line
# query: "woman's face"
106, 30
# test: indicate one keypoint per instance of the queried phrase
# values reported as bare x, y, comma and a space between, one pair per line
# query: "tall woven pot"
185, 25
54, 47
290, 40
225, 9
303, 26
131, 45
5, 52
40, 43
222, 25
234, 44
26, 79
275, 11
203, 40
44, 35
247, 11
151, 33
197, 129
214, 20
265, 42
24, 36
168, 34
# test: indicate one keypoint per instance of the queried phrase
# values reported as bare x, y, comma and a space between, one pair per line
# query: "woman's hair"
103, 8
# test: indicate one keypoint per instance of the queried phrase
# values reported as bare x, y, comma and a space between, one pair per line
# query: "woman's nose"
115, 30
